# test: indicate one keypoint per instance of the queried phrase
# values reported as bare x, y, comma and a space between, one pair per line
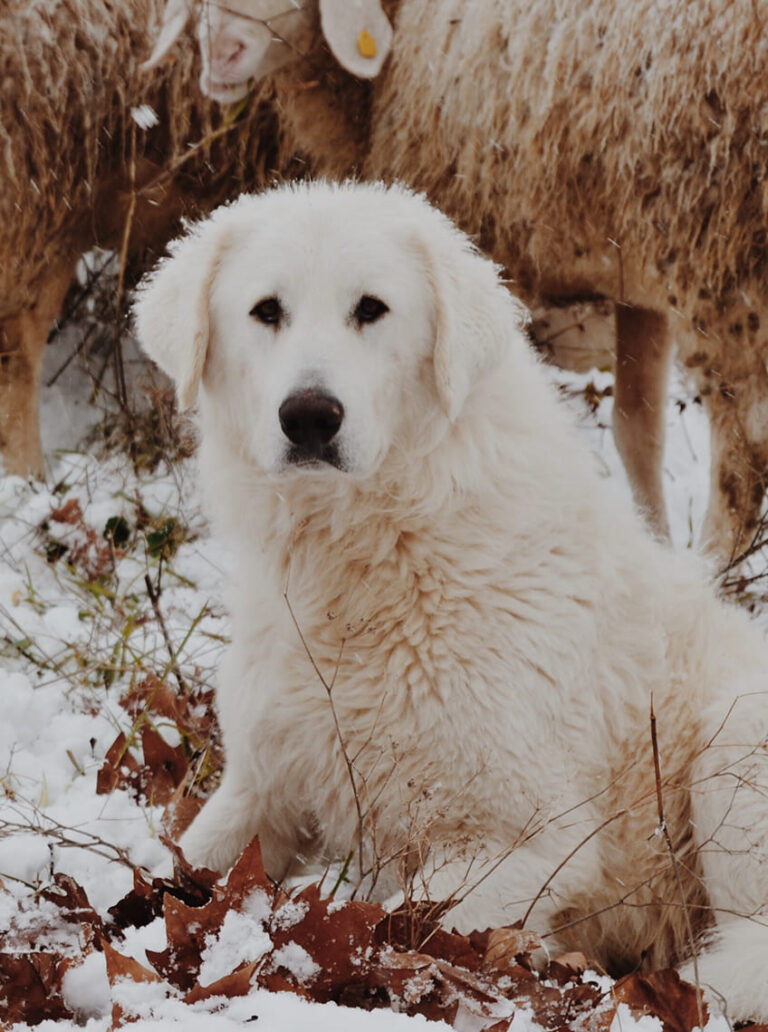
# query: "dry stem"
668, 841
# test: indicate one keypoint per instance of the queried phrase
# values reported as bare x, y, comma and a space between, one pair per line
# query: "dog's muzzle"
310, 419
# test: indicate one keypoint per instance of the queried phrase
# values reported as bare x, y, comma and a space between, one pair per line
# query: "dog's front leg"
254, 797
229, 820
496, 887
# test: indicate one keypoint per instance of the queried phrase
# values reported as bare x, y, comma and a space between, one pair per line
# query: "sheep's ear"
172, 316
359, 34
175, 17
476, 318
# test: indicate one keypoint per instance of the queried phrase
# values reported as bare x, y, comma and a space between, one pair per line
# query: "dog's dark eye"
368, 310
268, 311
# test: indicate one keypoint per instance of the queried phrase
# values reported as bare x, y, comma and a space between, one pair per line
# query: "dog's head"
326, 326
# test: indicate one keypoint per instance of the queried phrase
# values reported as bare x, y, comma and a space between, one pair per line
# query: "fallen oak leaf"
31, 988
247, 875
236, 983
182, 808
420, 984
141, 905
192, 714
508, 950
120, 768
69, 512
120, 967
566, 1006
664, 995
186, 928
73, 902
144, 902
189, 927
196, 882
567, 967
415, 927
241, 981
165, 767
339, 937
501, 977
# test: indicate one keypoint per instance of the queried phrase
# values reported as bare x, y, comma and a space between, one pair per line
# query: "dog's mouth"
307, 458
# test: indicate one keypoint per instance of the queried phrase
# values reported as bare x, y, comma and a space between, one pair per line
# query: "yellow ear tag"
366, 44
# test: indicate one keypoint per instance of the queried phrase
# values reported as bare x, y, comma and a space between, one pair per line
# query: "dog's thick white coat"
491, 618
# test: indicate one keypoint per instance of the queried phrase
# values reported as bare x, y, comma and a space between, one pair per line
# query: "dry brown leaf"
508, 950
30, 987
181, 809
119, 967
567, 967
141, 906
188, 927
416, 928
236, 983
195, 883
69, 512
71, 898
120, 768
339, 937
165, 767
246, 876
665, 995
193, 714
421, 984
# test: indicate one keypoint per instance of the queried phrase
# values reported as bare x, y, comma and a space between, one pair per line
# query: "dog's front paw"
202, 851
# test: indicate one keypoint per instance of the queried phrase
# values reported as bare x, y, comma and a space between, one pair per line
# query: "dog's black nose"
311, 419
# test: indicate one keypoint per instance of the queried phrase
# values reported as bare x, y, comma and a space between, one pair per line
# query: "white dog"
448, 632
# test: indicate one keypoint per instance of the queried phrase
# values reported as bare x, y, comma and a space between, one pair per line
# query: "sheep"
596, 150
77, 171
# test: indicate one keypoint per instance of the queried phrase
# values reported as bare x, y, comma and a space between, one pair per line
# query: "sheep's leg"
642, 367
22, 340
738, 467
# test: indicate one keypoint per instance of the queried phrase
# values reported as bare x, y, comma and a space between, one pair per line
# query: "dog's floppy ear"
172, 307
175, 17
476, 318
359, 34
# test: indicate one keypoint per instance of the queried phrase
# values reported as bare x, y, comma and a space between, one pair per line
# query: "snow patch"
242, 939
296, 961
85, 988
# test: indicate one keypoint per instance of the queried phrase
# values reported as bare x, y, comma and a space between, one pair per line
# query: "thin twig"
668, 840
154, 598
329, 692
62, 836
565, 860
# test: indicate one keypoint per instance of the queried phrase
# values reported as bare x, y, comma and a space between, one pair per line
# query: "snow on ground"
74, 638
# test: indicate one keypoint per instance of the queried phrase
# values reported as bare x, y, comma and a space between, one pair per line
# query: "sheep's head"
241, 40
